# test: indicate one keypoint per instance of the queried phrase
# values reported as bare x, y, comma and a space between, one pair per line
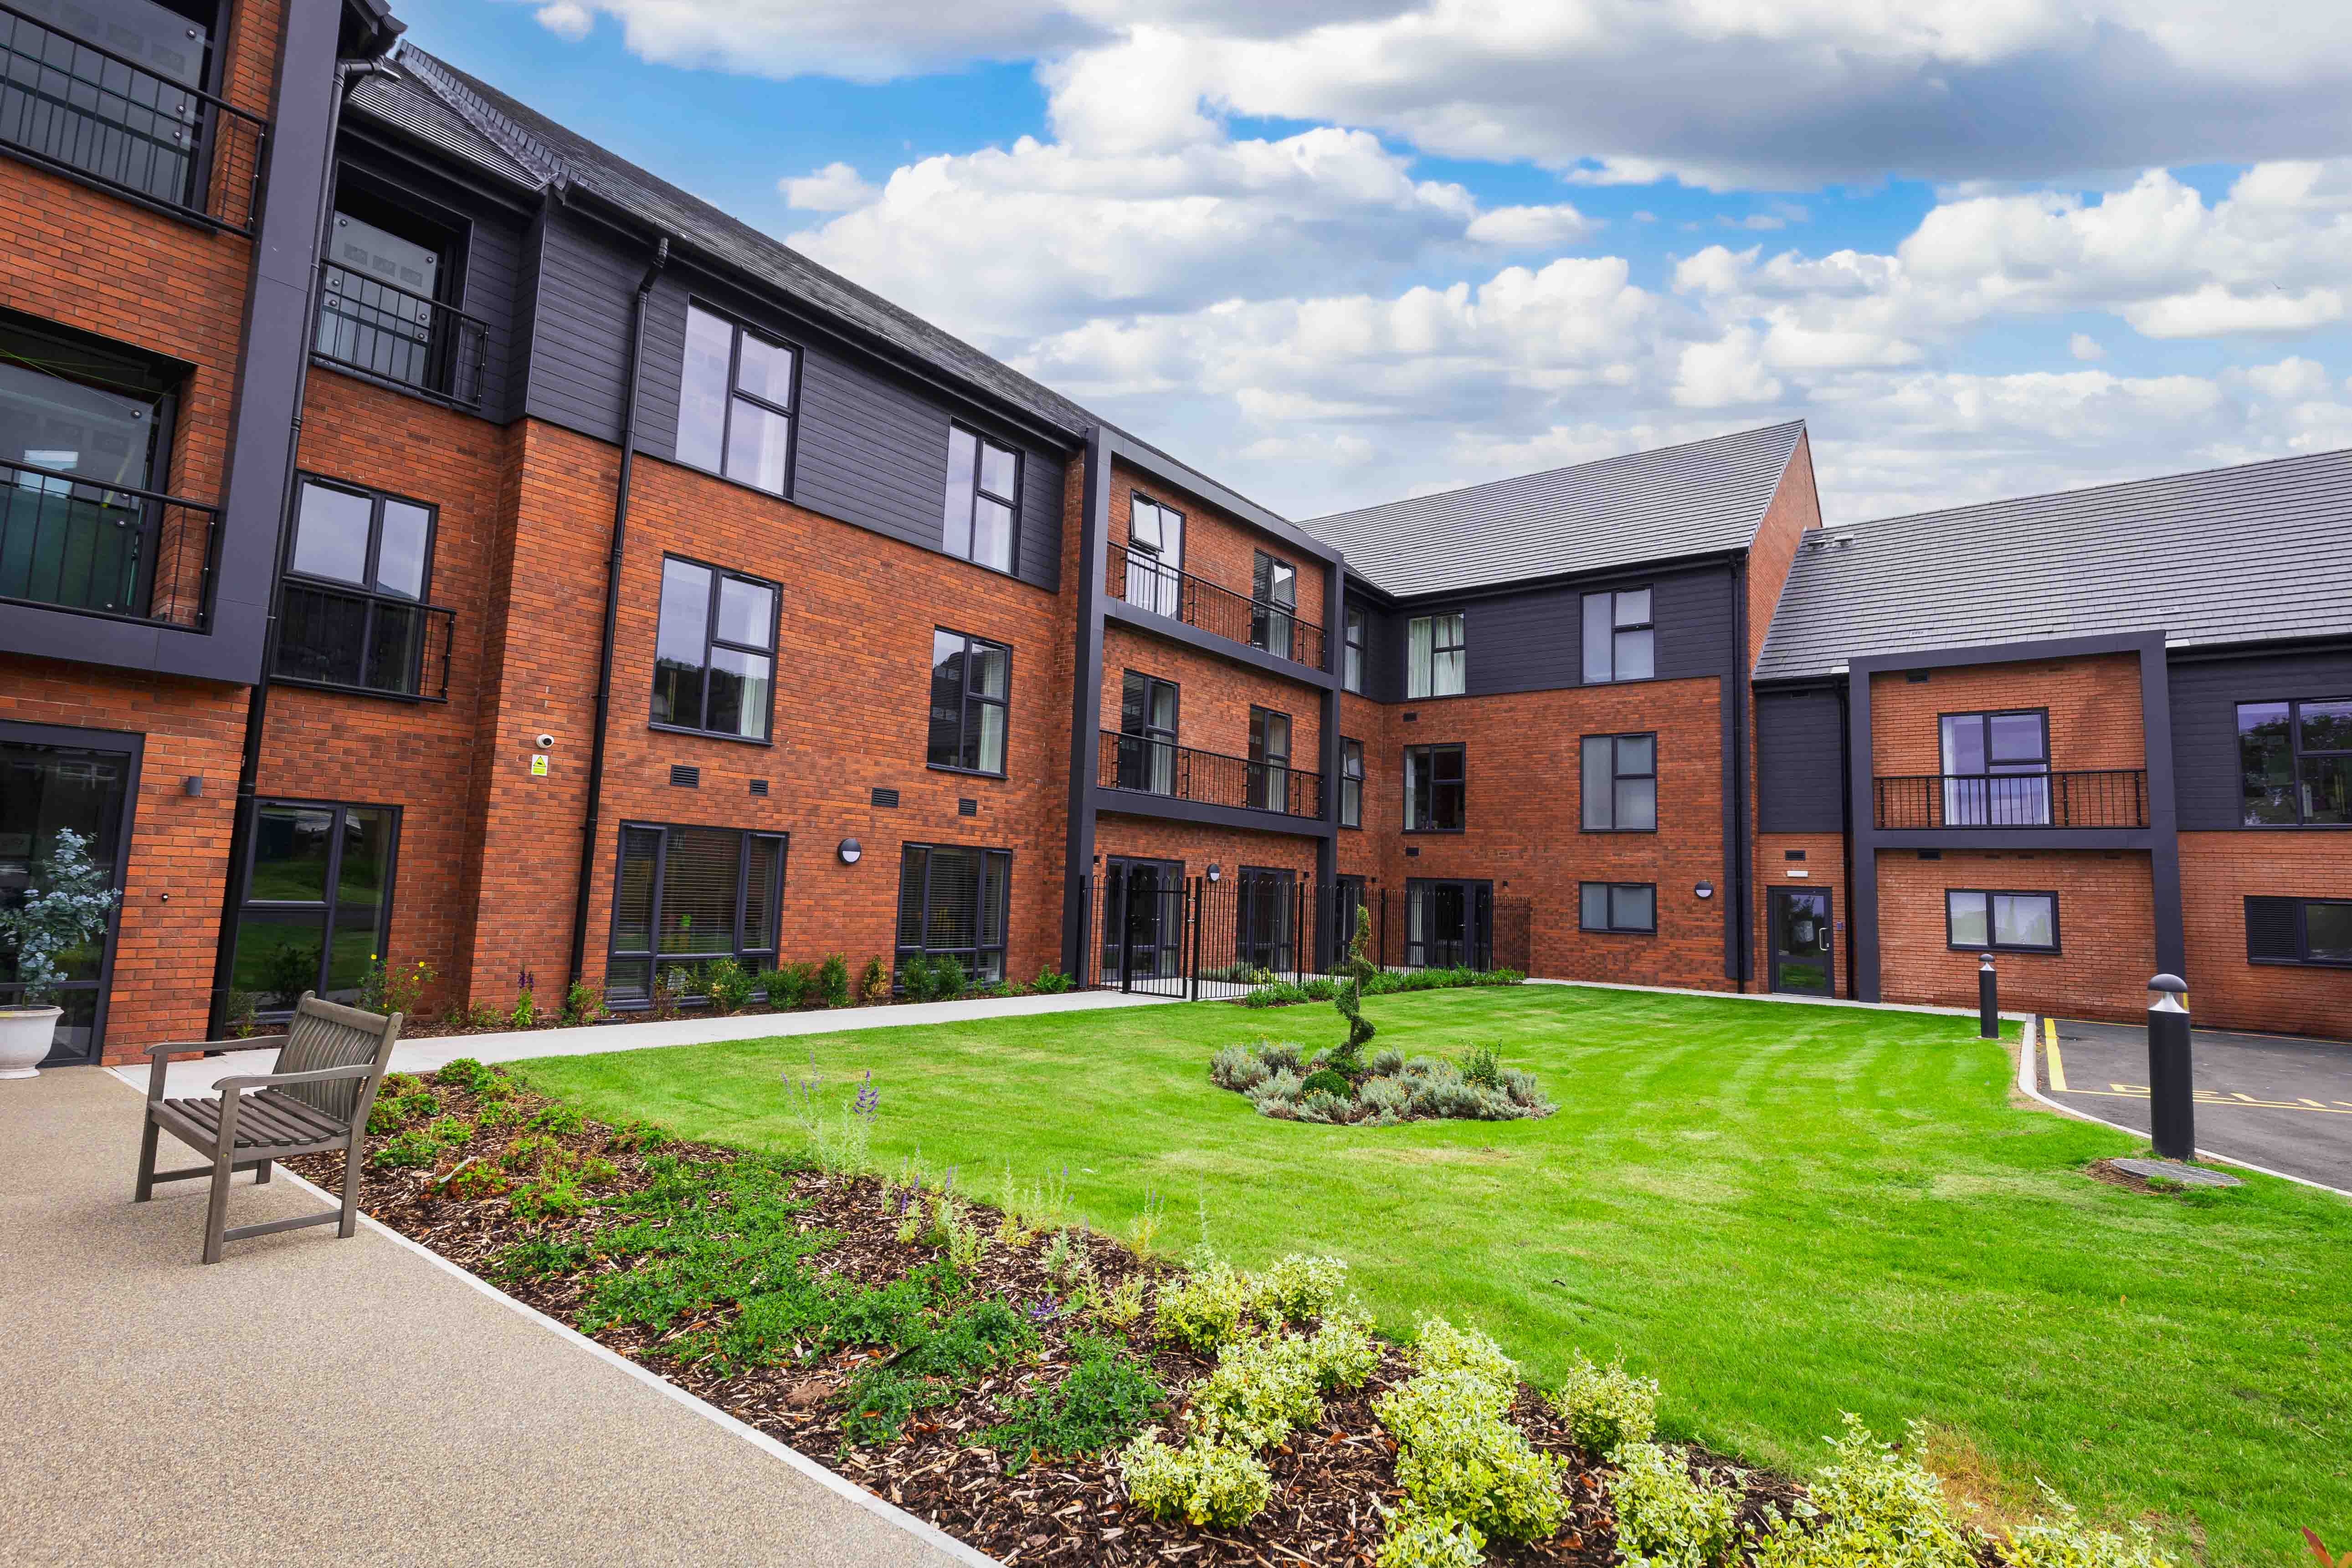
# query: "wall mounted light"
850, 851
1704, 889
1214, 872
192, 785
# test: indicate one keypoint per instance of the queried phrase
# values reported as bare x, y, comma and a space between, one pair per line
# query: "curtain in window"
1420, 638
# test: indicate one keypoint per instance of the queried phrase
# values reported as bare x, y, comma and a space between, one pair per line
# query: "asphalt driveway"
2268, 1100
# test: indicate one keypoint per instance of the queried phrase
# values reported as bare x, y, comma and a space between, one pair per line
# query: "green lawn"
1779, 1212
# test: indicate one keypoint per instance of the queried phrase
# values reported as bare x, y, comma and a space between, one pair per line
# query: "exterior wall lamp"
850, 851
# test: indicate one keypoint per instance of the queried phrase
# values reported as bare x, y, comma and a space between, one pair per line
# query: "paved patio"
310, 1400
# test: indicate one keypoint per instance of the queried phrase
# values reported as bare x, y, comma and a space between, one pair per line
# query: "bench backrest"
327, 1035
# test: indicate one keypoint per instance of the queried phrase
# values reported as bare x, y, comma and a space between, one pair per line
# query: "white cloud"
836, 188
1530, 229
567, 19
2086, 348
2294, 378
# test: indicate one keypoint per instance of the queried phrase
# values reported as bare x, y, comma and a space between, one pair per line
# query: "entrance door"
1143, 921
1800, 943
1263, 931
1448, 925
52, 780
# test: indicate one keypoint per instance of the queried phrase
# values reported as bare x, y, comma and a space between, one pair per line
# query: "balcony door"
1147, 735
1996, 769
1449, 924
1265, 924
51, 781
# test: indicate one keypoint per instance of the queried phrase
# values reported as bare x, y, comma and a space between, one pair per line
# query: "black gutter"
588, 821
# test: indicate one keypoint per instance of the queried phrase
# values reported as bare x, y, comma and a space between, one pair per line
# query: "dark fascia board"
1598, 577
2281, 647
375, 16
1174, 630
520, 201
1792, 685
1135, 803
2014, 838
1150, 461
2009, 652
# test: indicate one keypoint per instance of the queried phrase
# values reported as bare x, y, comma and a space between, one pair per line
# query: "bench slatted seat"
331, 1061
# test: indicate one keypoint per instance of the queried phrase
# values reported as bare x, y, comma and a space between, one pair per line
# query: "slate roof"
1691, 499
2227, 555
406, 105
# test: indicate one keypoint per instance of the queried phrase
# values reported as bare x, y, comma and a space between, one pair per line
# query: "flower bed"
1289, 1085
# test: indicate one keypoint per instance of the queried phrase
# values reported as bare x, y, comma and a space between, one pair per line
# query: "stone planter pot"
24, 1037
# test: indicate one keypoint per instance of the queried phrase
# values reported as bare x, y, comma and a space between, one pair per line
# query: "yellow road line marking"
2057, 1064
2211, 1097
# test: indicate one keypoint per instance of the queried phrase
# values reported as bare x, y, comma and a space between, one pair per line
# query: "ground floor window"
317, 900
1976, 921
55, 780
1266, 918
685, 895
1448, 925
2299, 930
952, 904
1629, 908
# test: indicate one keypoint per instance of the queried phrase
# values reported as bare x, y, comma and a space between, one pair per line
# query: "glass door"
1800, 943
1262, 927
52, 781
1143, 921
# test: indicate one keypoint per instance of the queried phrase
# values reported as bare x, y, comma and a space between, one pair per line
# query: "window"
685, 895
1621, 784
1269, 760
1436, 660
2299, 930
387, 295
1448, 925
1351, 664
951, 904
970, 681
2297, 759
1265, 918
1996, 769
983, 504
735, 403
1351, 783
353, 610
1274, 604
1147, 734
1432, 789
1155, 556
714, 651
318, 896
1620, 638
1629, 909
1975, 921
136, 121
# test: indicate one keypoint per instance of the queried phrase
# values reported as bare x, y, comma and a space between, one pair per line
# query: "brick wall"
1796, 506
2218, 871
2093, 703
1218, 546
2107, 932
1214, 696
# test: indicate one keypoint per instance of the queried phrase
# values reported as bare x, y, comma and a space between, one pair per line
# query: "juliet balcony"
2098, 797
69, 543
1145, 765
1149, 584
389, 335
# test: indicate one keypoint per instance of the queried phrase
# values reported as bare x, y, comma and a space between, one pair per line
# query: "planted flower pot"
25, 1034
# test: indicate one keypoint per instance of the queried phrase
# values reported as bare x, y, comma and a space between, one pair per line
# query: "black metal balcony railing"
2099, 797
382, 330
1149, 766
87, 110
1151, 585
363, 642
105, 550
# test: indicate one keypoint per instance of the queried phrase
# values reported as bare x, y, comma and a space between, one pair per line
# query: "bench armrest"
160, 1058
244, 1081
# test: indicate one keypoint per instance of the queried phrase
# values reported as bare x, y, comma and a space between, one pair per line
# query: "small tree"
1349, 998
66, 907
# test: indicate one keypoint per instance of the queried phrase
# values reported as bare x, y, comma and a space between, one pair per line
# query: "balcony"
105, 118
384, 331
1149, 584
104, 550
1142, 765
2101, 797
350, 641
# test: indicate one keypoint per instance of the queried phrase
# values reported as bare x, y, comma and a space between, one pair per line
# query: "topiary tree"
1349, 998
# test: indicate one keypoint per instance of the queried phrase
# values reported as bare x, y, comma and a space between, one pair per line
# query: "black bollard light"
2172, 1104
1988, 999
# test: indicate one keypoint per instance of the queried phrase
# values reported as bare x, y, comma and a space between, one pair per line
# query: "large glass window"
1269, 760
1620, 638
1976, 919
131, 117
1437, 659
971, 682
952, 904
66, 536
1628, 909
352, 609
316, 902
1351, 663
1274, 604
1434, 790
1621, 784
2298, 931
1351, 783
1996, 769
384, 293
1448, 924
685, 895
714, 651
1147, 734
50, 782
735, 401
1155, 556
983, 502
2296, 762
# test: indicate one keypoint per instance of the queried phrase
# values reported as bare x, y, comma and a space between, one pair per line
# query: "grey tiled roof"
405, 104
2227, 555
1645, 506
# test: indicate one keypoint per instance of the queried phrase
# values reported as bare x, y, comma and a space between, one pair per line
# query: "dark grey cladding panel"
2205, 697
1521, 642
1383, 652
1692, 611
579, 349
1799, 766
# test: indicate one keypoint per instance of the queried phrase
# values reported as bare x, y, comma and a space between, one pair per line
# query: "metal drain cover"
2174, 1171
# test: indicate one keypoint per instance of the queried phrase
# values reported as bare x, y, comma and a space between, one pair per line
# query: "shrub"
1456, 1455
465, 1073
582, 1004
1276, 994
1121, 1305
478, 1179
1280, 1055
1199, 1483
1519, 1086
948, 979
1440, 1347
1666, 1519
784, 987
728, 984
559, 1119
1385, 1098
1281, 1087
1479, 1067
1343, 1351
873, 985
1237, 1068
405, 1151
1418, 1539
833, 981
1051, 982
525, 1012
1386, 1061
1326, 1080
1102, 1401
2063, 1540
915, 978
1419, 1410
1322, 1105
1296, 1287
1871, 1506
1205, 1308
1604, 1406
1262, 1389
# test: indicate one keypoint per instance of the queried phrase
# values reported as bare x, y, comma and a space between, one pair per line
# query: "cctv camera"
545, 741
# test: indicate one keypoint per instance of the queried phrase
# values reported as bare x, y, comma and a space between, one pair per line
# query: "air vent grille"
884, 796
685, 777
967, 809
759, 786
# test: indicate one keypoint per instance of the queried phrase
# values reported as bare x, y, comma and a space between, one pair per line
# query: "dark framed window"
983, 513
1621, 784
1351, 661
1996, 768
1265, 913
54, 780
714, 651
1147, 734
1621, 641
685, 895
1269, 760
1977, 920
1448, 924
1155, 555
317, 900
1434, 789
391, 289
952, 903
735, 403
1351, 783
2299, 930
1436, 657
1274, 604
971, 685
352, 613
2296, 762
1624, 908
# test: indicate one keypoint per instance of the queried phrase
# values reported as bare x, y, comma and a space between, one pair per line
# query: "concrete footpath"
310, 1400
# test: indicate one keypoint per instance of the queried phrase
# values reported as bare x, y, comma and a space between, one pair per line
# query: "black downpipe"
588, 821
1846, 825
1742, 869
348, 75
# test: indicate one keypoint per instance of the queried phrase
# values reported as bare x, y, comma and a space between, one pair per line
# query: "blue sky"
1339, 252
